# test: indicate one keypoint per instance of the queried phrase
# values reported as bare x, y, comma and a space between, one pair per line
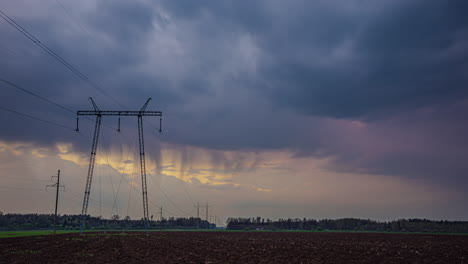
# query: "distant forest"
10, 222
349, 224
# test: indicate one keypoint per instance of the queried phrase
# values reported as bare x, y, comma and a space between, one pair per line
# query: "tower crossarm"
120, 113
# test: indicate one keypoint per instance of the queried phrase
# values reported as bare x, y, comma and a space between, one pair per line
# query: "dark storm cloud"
328, 60
107, 49
396, 60
255, 75
428, 145
347, 60
124, 21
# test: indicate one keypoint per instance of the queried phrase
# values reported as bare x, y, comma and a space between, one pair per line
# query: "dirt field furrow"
235, 247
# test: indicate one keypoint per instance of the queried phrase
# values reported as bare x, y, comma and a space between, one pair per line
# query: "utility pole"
57, 185
98, 113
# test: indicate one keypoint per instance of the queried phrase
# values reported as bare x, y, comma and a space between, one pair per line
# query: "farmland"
235, 247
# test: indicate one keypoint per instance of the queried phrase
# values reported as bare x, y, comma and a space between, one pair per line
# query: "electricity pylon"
206, 214
98, 113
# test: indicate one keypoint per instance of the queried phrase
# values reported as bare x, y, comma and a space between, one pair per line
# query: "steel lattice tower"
98, 113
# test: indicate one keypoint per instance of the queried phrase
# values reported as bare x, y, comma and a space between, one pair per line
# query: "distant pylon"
207, 225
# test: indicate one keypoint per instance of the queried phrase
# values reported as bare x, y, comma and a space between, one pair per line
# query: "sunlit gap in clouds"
275, 183
189, 164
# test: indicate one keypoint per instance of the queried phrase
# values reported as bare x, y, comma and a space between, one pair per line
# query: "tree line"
349, 224
11, 222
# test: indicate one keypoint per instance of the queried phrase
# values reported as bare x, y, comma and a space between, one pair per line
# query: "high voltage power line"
76, 21
11, 84
57, 57
52, 53
138, 191
73, 69
57, 124
49, 51
71, 111
25, 179
36, 95
35, 118
170, 200
20, 188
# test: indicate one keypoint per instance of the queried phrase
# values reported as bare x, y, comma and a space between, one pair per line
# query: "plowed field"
235, 247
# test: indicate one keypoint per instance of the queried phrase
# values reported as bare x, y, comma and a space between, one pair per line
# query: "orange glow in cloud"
267, 179
190, 162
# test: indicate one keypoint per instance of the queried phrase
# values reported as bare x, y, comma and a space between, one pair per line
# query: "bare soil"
235, 247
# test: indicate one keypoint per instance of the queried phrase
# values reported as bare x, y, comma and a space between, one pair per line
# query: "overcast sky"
320, 109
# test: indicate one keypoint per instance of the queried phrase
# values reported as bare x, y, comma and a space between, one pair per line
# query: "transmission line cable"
26, 179
35, 118
130, 189
36, 41
46, 100
122, 172
186, 192
109, 174
112, 185
75, 20
167, 197
36, 95
170, 200
52, 53
20, 188
79, 197
100, 196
